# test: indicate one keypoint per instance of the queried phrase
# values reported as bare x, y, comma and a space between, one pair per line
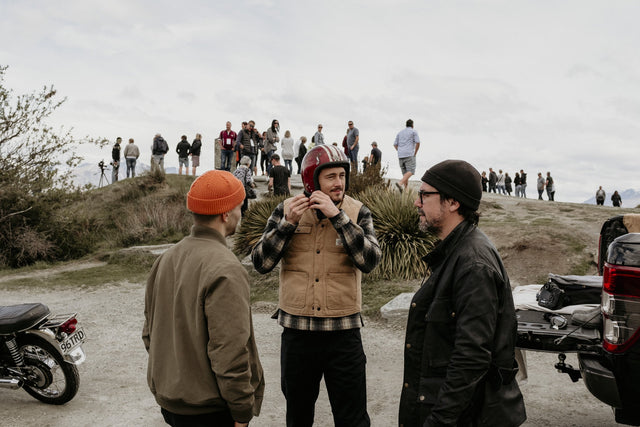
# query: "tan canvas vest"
317, 277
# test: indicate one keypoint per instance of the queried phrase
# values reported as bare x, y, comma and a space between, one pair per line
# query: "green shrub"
253, 224
152, 220
401, 241
44, 230
371, 178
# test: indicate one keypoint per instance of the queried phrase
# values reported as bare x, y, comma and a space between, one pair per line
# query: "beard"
430, 228
433, 228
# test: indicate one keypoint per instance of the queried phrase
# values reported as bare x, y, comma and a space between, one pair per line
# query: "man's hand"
298, 206
323, 202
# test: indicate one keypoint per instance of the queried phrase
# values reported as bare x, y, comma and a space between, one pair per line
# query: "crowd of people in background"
616, 199
502, 183
260, 148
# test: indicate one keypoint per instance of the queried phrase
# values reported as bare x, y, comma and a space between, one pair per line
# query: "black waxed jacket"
461, 331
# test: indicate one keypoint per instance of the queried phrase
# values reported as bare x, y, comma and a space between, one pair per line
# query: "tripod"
103, 177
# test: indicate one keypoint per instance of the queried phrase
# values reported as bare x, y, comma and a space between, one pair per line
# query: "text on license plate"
72, 341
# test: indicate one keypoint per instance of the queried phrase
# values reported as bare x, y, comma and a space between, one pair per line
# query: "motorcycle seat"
16, 318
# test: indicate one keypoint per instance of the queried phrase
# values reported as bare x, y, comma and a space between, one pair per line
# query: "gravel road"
113, 390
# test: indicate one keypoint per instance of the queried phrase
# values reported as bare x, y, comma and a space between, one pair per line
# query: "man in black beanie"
459, 363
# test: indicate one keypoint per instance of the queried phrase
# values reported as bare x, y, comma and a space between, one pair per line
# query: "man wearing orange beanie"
203, 362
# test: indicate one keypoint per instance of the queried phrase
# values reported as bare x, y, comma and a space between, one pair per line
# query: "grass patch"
264, 287
584, 267
121, 266
543, 221
39, 265
377, 293
90, 277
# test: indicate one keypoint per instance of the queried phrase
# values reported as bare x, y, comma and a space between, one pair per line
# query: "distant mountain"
89, 173
630, 198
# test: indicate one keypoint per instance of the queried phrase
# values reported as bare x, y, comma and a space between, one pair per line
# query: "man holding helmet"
324, 240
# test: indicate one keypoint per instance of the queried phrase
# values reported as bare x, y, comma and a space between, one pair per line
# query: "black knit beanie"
457, 179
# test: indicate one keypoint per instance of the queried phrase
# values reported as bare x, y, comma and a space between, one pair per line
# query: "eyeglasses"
422, 193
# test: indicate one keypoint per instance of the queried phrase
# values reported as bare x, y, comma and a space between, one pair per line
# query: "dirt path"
73, 266
113, 390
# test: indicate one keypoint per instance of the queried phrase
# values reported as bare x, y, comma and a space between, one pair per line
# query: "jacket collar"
202, 232
445, 247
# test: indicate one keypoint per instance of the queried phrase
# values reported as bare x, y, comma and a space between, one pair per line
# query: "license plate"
72, 341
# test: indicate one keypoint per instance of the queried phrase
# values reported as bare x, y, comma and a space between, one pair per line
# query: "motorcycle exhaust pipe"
11, 383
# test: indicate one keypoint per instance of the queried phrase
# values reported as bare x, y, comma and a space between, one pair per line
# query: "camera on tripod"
101, 165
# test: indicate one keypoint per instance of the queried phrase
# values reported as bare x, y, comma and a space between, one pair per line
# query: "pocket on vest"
296, 289
302, 239
341, 290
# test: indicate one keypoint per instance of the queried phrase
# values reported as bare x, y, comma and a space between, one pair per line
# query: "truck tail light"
620, 307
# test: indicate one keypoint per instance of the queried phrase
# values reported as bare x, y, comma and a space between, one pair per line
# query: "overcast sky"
535, 85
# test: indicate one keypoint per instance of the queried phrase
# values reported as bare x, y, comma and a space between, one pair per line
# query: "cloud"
508, 84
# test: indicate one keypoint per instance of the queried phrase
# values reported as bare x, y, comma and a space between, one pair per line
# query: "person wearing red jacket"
227, 143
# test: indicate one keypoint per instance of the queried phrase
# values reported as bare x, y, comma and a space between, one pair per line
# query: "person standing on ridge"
540, 185
158, 151
183, 149
616, 200
227, 145
279, 178
551, 187
493, 180
131, 154
407, 144
523, 182
353, 138
600, 196
318, 138
196, 148
270, 141
115, 160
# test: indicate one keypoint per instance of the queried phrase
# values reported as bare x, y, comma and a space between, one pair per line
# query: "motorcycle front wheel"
49, 378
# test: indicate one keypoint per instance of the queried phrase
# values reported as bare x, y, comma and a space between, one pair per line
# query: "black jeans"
213, 419
338, 355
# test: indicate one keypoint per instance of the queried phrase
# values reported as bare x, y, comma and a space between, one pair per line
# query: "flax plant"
402, 243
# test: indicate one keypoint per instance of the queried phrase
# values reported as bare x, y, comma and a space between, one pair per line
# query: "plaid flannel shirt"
359, 240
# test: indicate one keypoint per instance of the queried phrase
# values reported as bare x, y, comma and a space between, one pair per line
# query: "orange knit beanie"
215, 192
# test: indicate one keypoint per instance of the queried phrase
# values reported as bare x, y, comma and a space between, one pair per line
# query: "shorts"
183, 161
408, 164
195, 161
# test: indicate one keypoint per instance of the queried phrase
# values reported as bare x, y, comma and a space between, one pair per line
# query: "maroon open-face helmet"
318, 158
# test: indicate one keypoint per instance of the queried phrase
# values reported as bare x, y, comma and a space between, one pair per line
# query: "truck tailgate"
537, 333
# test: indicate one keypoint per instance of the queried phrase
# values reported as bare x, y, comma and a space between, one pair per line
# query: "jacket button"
453, 314
413, 304
421, 398
406, 385
318, 308
408, 345
317, 280
317, 252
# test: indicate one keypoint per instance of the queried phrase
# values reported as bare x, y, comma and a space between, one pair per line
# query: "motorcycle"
39, 352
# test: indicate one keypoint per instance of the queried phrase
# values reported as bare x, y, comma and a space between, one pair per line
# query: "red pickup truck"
608, 346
